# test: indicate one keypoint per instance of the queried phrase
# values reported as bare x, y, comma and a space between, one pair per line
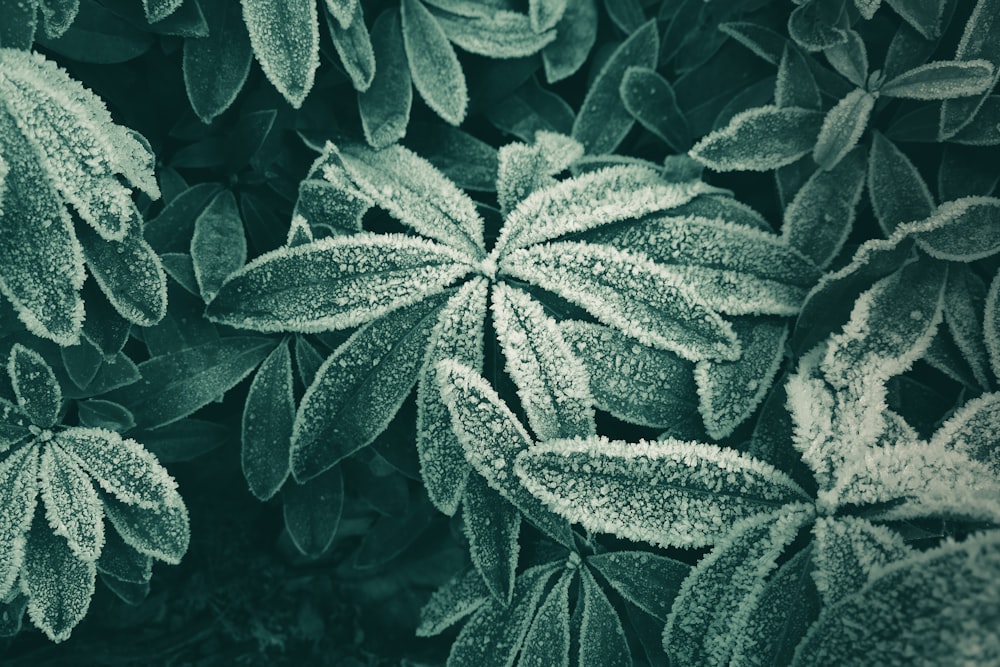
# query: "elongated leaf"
434, 67
157, 10
354, 46
82, 361
967, 229
648, 581
850, 59
268, 415
651, 101
124, 563
795, 86
216, 67
360, 387
981, 39
842, 128
760, 139
667, 493
576, 33
964, 302
629, 293
492, 438
972, 430
495, 34
334, 283
991, 324
492, 526
545, 14
218, 246
462, 595
285, 38
547, 641
846, 550
814, 25
603, 120
34, 385
312, 511
18, 497
58, 584
602, 638
762, 41
941, 80
161, 532
171, 230
385, 106
72, 506
898, 192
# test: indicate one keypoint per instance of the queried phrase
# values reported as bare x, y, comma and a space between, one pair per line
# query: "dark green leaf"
312, 511
268, 415
760, 139
492, 526
354, 46
385, 105
109, 415
602, 638
218, 245
285, 38
97, 35
35, 385
941, 80
576, 33
842, 128
17, 24
58, 584
650, 99
644, 579
434, 67
897, 190
795, 85
981, 39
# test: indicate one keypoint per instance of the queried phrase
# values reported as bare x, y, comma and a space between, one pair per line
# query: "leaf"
18, 497
842, 128
385, 106
434, 67
492, 526
705, 617
334, 283
268, 415
458, 335
312, 511
531, 109
34, 385
492, 437
468, 162
814, 25
576, 33
651, 101
923, 15
972, 430
847, 550
545, 14
547, 641
157, 10
174, 385
646, 580
58, 584
760, 139
17, 24
964, 301
218, 246
497, 33
628, 292
94, 34
602, 638
462, 595
984, 128
360, 387
966, 229
941, 80
216, 67
850, 59
991, 324
391, 535
819, 218
109, 415
730, 391
161, 532
936, 604
285, 39
81, 361
354, 46
124, 563
667, 493
72, 506
795, 86
897, 190
603, 120
980, 39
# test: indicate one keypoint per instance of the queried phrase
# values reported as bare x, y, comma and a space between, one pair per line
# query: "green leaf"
603, 120
531, 109
923, 15
58, 15
268, 415
285, 38
216, 67
124, 563
815, 25
972, 430
335, 283
185, 439
171, 230
354, 46
576, 33
468, 162
18, 21
991, 324
58, 584
157, 10
646, 580
761, 40
462, 595
980, 39
496, 33
82, 361
545, 14
842, 128
760, 139
162, 532
846, 550
35, 385
108, 415
964, 301
941, 80
94, 34
966, 229
492, 526
385, 106
434, 67
795, 86
850, 59
360, 387
667, 493
18, 497
72, 506
218, 245
984, 128
342, 10
602, 638
897, 190
547, 641
312, 511
650, 99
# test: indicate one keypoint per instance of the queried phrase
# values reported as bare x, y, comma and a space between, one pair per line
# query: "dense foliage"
499, 332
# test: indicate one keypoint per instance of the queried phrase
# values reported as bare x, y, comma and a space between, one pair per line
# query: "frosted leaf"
651, 100
760, 139
494, 634
496, 33
991, 324
72, 506
979, 40
157, 10
312, 511
628, 292
633, 382
121, 466
268, 415
760, 40
57, 583
850, 58
285, 38
343, 11
897, 190
941, 80
161, 532
412, 191
434, 68
821, 215
334, 283
57, 16
972, 430
729, 391
492, 526
552, 383
842, 128
11, 434
576, 33
124, 563
964, 302
35, 385
965, 230
360, 387
644, 579
547, 641
329, 197
602, 638
354, 46
462, 595
667, 493
795, 85
545, 14
457, 335
299, 231
492, 437
524, 169
18, 496
705, 615
597, 198
218, 245
846, 550
385, 107
216, 66
936, 607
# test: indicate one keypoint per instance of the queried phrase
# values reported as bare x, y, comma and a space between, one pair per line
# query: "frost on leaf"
157, 10
981, 39
462, 595
162, 532
494, 33
268, 415
942, 80
846, 550
218, 246
35, 385
964, 303
492, 526
667, 493
360, 387
285, 38
437, 75
552, 383
991, 324
492, 438
842, 128
523, 170
965, 230
706, 612
72, 506
644, 579
602, 638
972, 430
124, 563
457, 335
18, 496
334, 283
760, 139
897, 190
940, 605
312, 511
547, 641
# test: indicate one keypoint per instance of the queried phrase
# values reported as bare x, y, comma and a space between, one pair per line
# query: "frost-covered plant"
61, 157
51, 551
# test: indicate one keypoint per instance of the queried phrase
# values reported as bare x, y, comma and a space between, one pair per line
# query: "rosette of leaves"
62, 159
806, 565
62, 485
